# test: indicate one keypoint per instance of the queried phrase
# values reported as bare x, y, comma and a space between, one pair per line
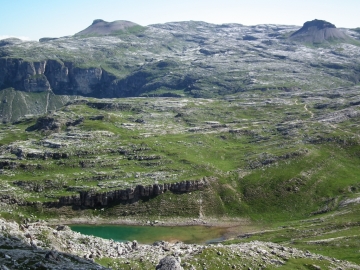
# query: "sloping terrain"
274, 158
110, 144
183, 121
18, 104
180, 59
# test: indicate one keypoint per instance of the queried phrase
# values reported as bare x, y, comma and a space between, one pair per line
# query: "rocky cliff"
91, 199
61, 77
23, 75
64, 78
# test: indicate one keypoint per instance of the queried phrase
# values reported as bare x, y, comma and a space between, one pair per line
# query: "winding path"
306, 109
311, 113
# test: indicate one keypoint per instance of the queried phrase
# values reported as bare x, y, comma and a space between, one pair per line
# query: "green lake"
151, 234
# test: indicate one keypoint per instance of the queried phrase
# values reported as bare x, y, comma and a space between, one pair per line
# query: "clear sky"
33, 19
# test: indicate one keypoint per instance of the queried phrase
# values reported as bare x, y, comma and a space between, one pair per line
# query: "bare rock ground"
36, 244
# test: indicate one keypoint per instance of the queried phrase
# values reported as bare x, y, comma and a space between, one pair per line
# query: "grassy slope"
285, 192
16, 104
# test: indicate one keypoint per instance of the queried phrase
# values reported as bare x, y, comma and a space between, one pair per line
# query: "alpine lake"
151, 234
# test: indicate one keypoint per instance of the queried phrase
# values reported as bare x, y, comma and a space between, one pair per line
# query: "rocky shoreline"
213, 222
58, 247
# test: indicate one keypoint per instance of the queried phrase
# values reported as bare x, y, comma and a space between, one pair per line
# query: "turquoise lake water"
151, 234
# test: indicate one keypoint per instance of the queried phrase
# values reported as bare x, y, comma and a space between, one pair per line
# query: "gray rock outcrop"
169, 263
21, 249
61, 77
23, 75
318, 31
130, 195
63, 249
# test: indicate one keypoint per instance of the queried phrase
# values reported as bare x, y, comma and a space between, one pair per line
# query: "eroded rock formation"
92, 199
60, 77
318, 31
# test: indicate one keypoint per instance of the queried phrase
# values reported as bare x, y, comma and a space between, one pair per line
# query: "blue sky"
33, 19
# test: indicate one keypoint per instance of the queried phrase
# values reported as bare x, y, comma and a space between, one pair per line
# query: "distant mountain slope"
10, 41
181, 59
103, 28
318, 31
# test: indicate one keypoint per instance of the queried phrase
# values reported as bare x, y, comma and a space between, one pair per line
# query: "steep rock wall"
63, 78
89, 199
23, 75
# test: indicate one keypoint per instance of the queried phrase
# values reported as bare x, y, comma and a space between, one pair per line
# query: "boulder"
169, 263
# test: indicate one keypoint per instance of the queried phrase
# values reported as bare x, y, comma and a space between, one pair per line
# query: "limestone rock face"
23, 75
87, 79
57, 74
61, 78
91, 199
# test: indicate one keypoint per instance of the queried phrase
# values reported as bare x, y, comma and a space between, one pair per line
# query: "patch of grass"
134, 30
304, 264
333, 234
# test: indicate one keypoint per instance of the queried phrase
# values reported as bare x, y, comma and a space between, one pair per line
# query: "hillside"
182, 123
269, 157
181, 59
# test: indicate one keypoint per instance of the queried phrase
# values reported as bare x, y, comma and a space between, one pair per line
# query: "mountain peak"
98, 21
319, 24
318, 31
100, 27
